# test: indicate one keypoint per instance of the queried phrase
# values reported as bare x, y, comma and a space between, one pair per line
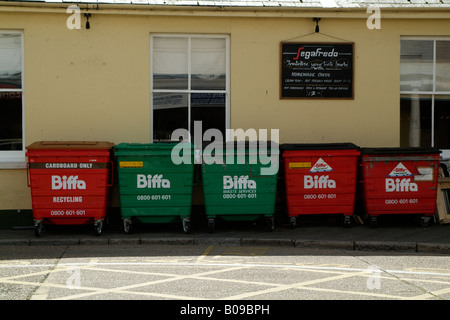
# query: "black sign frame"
317, 70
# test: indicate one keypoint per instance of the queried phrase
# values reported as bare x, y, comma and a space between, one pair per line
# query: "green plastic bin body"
239, 192
152, 188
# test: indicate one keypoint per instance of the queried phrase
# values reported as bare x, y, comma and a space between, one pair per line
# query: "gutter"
442, 12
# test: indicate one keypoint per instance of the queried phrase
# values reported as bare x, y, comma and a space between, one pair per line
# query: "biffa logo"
149, 181
400, 185
235, 182
400, 171
67, 183
316, 182
320, 166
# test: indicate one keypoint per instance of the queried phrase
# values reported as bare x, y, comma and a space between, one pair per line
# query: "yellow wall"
94, 84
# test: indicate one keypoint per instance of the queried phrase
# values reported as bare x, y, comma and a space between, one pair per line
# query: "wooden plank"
441, 201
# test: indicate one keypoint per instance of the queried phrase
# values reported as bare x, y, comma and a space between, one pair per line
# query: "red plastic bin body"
320, 178
69, 181
400, 180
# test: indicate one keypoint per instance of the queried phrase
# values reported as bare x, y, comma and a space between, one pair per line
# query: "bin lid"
400, 151
71, 145
318, 146
149, 149
148, 146
246, 143
243, 145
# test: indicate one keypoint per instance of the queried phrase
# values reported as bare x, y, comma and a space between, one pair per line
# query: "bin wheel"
98, 226
270, 224
347, 221
37, 228
373, 222
424, 221
186, 225
211, 225
293, 222
127, 226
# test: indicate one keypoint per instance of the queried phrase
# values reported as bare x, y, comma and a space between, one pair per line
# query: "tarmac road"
239, 261
228, 273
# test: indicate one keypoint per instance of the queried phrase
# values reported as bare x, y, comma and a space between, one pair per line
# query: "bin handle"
370, 185
28, 175
112, 175
289, 181
196, 175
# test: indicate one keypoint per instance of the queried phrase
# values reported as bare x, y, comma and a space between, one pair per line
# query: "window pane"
416, 65
210, 109
443, 65
208, 68
170, 63
170, 112
188, 63
10, 61
415, 121
442, 122
11, 121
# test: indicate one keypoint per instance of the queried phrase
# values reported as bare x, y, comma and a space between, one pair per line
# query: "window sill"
13, 164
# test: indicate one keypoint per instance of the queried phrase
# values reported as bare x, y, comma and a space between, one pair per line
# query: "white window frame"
433, 92
15, 159
189, 91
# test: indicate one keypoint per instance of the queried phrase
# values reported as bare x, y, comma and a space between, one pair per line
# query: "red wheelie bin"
69, 182
400, 181
320, 179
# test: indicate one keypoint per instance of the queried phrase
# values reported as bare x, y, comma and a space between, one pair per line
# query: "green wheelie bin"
153, 187
240, 182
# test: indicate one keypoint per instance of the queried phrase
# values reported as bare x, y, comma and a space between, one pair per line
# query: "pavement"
399, 234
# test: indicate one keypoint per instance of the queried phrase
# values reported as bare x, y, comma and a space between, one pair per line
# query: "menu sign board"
317, 70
